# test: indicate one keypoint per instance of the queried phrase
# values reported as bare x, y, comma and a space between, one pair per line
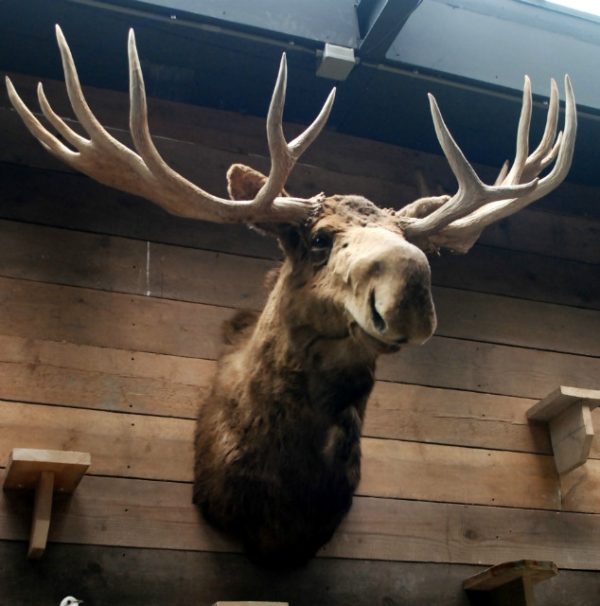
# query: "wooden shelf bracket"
508, 584
46, 472
567, 410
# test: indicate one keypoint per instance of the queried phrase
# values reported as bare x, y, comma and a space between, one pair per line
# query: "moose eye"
320, 247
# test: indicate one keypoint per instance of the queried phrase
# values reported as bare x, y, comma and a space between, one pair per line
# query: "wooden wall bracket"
567, 410
508, 584
46, 472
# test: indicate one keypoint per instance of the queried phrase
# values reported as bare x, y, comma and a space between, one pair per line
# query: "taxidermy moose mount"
278, 439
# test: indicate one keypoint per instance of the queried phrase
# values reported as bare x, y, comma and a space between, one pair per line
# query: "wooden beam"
567, 410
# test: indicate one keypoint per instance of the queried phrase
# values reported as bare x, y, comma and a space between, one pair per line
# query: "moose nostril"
378, 321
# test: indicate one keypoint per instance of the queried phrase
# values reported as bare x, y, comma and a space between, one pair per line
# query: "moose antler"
146, 174
456, 222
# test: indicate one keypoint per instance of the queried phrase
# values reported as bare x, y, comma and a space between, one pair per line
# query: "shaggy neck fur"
278, 441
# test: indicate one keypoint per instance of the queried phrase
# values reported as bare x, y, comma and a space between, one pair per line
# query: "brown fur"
278, 439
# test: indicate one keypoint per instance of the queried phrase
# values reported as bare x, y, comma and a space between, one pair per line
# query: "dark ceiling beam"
380, 22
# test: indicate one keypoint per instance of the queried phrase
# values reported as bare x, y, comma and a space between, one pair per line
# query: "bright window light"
585, 6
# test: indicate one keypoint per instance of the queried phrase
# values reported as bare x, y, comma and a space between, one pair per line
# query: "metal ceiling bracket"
335, 62
380, 22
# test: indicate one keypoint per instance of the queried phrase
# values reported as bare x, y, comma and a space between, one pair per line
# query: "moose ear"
244, 182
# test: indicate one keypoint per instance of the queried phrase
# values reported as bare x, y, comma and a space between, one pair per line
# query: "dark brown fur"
278, 439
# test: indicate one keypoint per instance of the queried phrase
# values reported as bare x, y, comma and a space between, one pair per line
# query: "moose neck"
296, 332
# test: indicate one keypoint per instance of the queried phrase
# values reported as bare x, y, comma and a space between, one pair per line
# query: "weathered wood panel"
152, 514
54, 199
525, 275
486, 368
48, 372
106, 575
88, 317
117, 264
162, 449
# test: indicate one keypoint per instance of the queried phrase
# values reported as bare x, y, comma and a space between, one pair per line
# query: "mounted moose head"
278, 440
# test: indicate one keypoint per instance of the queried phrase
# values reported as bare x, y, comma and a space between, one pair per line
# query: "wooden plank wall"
109, 328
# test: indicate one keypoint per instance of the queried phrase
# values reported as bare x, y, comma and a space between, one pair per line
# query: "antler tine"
503, 172
59, 124
548, 147
76, 97
522, 146
107, 160
36, 128
305, 139
142, 140
526, 167
462, 234
472, 192
283, 154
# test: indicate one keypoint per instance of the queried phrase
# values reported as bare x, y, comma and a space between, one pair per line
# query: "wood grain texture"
140, 577
151, 514
160, 448
47, 198
102, 378
129, 266
86, 317
487, 368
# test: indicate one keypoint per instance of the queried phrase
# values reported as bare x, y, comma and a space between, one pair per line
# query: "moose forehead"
340, 212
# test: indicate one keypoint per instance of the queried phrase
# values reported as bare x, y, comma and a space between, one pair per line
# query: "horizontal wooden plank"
497, 369
47, 198
55, 198
102, 378
547, 233
75, 258
105, 575
87, 317
142, 383
110, 575
517, 274
142, 513
161, 448
111, 263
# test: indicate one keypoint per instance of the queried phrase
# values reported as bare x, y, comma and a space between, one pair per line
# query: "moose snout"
402, 309
391, 288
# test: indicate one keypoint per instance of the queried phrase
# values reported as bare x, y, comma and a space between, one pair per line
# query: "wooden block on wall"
26, 464
567, 410
44, 471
